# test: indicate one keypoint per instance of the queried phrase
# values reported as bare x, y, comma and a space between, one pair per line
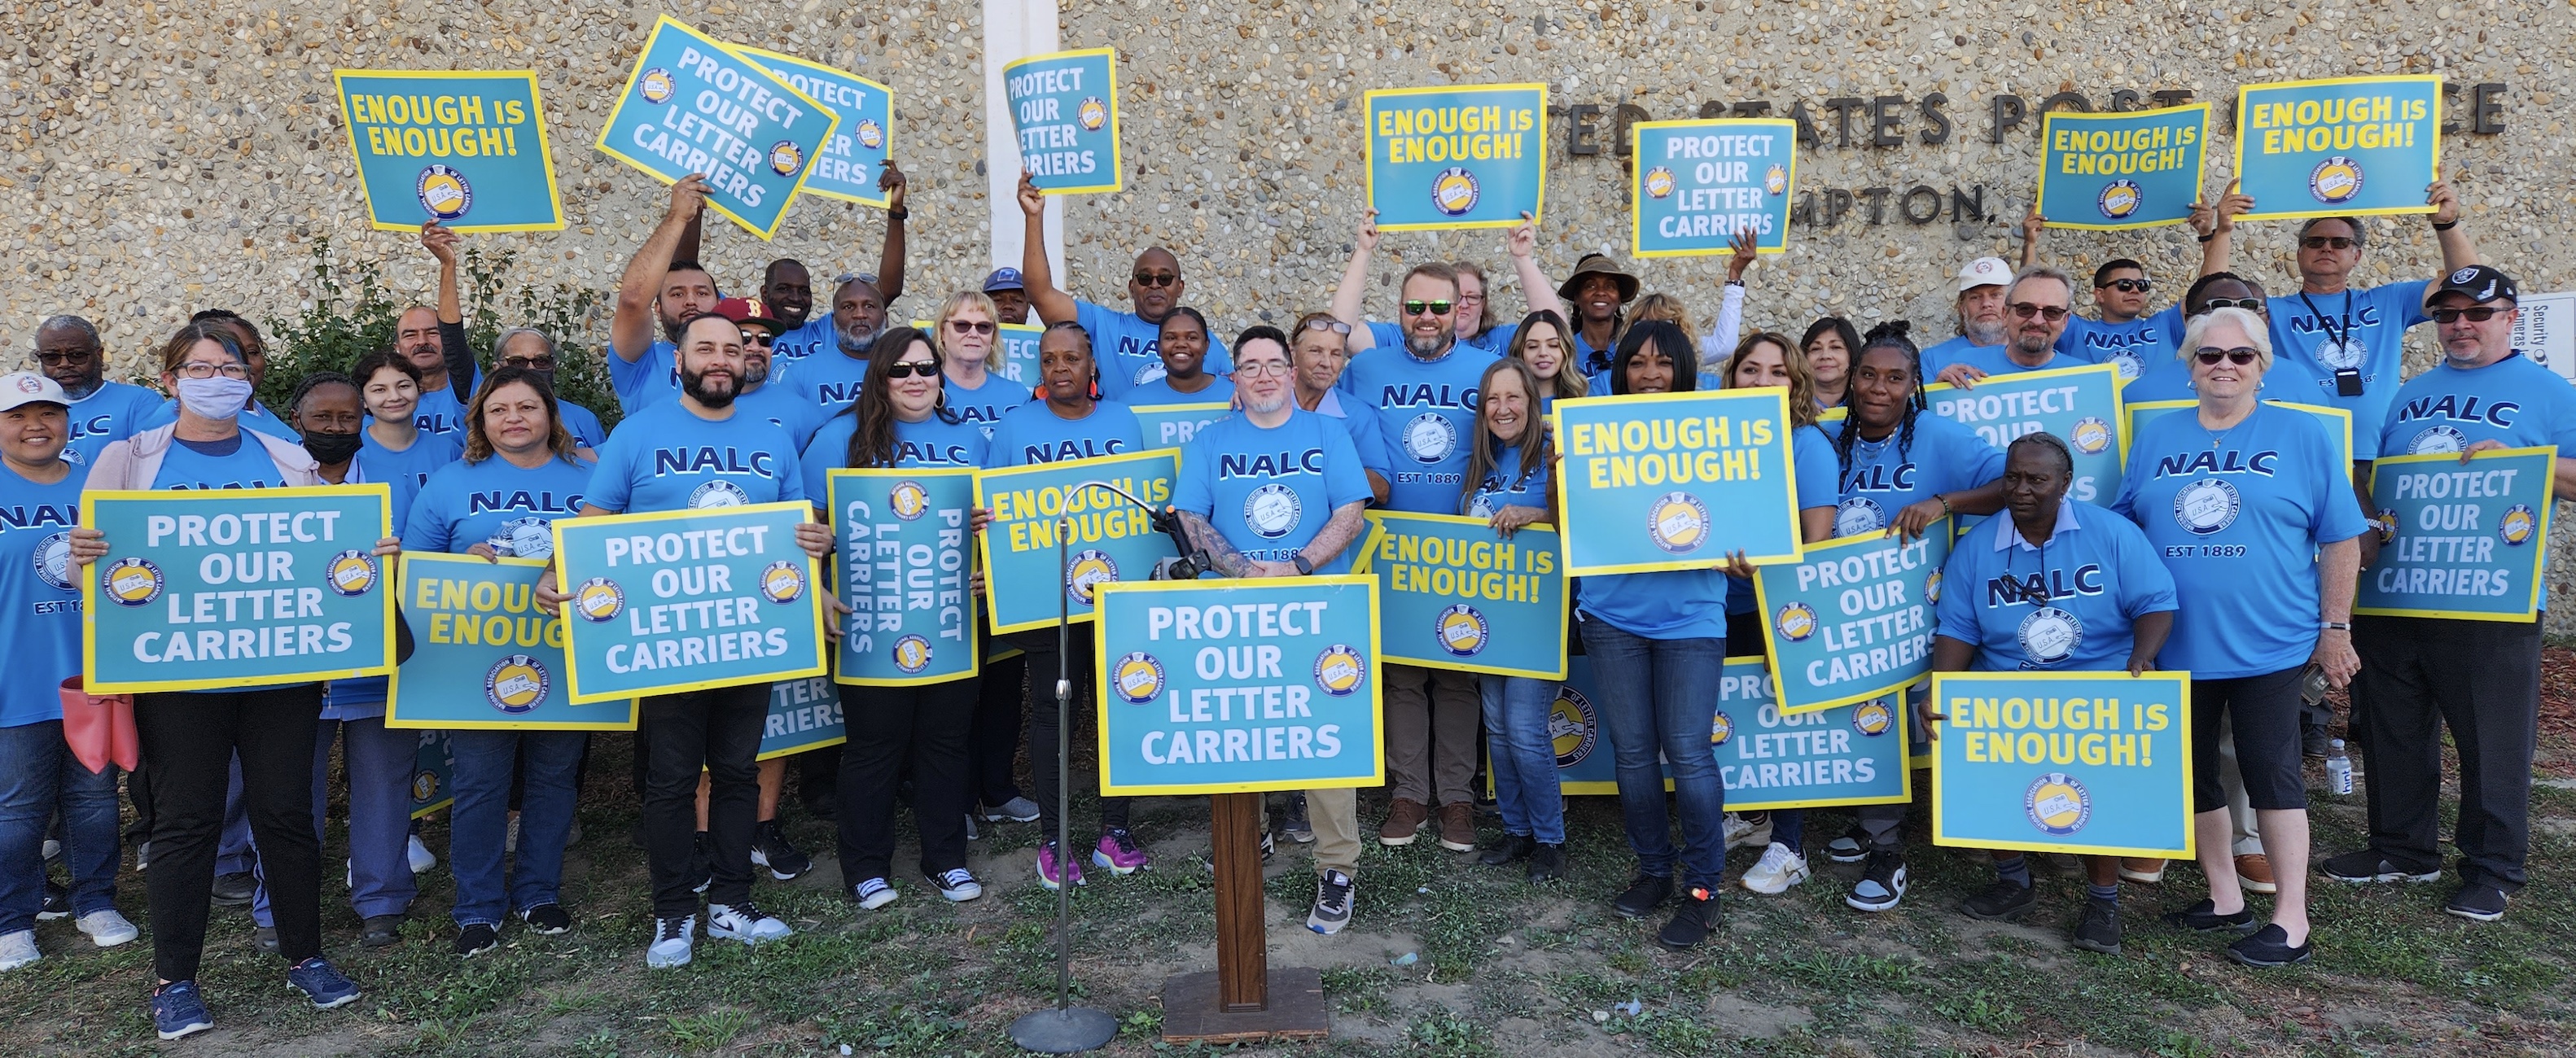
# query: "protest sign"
1853, 617
694, 105
2338, 421
433, 765
2081, 405
2109, 172
484, 657
1846, 755
673, 601
1172, 425
1064, 106
2339, 147
803, 714
1454, 595
228, 588
1020, 353
901, 560
1238, 686
465, 147
2463, 541
848, 167
1643, 475
1111, 539
2084, 762
1451, 158
1696, 183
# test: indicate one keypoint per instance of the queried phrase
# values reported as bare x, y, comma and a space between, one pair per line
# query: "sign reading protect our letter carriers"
901, 559
692, 105
685, 600
2457, 540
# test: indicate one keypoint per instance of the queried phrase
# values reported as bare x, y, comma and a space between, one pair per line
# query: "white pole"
1014, 29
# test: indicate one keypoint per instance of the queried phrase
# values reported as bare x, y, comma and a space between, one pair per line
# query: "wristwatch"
2334, 626
1303, 567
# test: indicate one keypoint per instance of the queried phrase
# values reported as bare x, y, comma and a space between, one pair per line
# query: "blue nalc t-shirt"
40, 603
830, 383
1508, 484
1813, 459
236, 462
582, 424
1427, 411
1129, 350
2449, 408
1887, 476
1031, 434
2068, 605
803, 342
2238, 520
2371, 328
2131, 346
498, 503
933, 442
784, 407
666, 458
1269, 491
406, 470
108, 414
440, 414
1996, 360
1159, 392
1942, 354
652, 378
983, 405
1367, 436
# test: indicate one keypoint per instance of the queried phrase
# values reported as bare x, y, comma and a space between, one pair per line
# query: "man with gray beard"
69, 352
1982, 287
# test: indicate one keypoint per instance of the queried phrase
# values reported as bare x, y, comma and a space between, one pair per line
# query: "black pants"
190, 738
993, 745
1042, 725
2263, 711
892, 728
818, 771
718, 730
2480, 678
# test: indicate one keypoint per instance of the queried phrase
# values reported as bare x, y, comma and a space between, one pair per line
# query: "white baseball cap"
1985, 272
21, 388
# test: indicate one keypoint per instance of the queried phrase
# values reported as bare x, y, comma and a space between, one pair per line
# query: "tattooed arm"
1222, 557
1345, 526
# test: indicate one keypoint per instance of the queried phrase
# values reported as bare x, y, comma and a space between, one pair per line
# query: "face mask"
216, 398
331, 449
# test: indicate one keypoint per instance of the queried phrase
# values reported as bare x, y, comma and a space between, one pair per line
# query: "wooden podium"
1243, 999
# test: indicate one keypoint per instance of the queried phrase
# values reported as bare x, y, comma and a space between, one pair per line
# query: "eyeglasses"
1260, 368
2130, 286
2480, 314
2239, 356
911, 369
201, 370
971, 326
1436, 308
1335, 326
1464, 298
529, 363
2214, 304
755, 338
76, 358
2326, 242
2027, 310
1166, 279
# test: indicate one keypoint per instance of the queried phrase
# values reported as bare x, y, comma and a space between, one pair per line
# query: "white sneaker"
1780, 868
107, 929
957, 884
18, 949
421, 860
745, 923
1741, 831
874, 893
672, 940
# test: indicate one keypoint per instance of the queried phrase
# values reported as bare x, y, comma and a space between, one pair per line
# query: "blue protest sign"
1064, 106
1172, 425
2081, 405
2464, 541
464, 147
2339, 147
2338, 421
484, 657
803, 714
849, 164
2108, 172
433, 766
1853, 617
1111, 539
2085, 762
674, 601
1850, 755
1452, 158
1020, 353
1236, 686
900, 560
1644, 475
236, 587
693, 105
1696, 183
1454, 595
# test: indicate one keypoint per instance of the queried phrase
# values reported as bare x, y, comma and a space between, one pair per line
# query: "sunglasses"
2213, 304
2130, 286
1166, 279
911, 369
1436, 308
2239, 356
544, 363
2027, 310
2480, 314
1335, 326
755, 337
971, 326
2326, 242
75, 358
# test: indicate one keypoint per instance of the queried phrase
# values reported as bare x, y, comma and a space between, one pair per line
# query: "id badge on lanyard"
2340, 345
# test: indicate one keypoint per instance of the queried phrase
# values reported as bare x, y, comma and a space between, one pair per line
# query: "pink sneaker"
1052, 867
1120, 852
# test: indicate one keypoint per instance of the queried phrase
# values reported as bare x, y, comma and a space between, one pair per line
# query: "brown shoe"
2254, 872
2144, 870
1458, 827
1403, 818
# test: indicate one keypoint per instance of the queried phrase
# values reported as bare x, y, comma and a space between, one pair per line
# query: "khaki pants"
1431, 720
1335, 815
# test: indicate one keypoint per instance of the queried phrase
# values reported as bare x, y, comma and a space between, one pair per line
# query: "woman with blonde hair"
1546, 345
968, 334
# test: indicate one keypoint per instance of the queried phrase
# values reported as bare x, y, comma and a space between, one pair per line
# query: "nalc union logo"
2057, 804
1430, 437
718, 494
1858, 515
785, 157
1775, 180
657, 86
2049, 635
2091, 435
132, 581
782, 582
2386, 523
2438, 440
2118, 199
1571, 727
1659, 182
1678, 522
1088, 569
2206, 506
443, 192
516, 685
54, 561
2519, 525
871, 135
1462, 630
599, 600
911, 654
424, 786
524, 538
909, 500
1092, 113
1272, 510
1932, 587
351, 573
1454, 192
1138, 678
2335, 181
1339, 670
1873, 718
1795, 622
1720, 728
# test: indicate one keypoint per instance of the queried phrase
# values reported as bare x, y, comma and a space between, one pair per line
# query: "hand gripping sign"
2083, 762
694, 105
1064, 106
2339, 147
484, 657
1472, 156
675, 601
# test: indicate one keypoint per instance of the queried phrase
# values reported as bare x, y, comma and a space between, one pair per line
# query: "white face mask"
217, 398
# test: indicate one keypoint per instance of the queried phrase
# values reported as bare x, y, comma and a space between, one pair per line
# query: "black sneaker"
2204, 918
1512, 849
1294, 822
770, 848
475, 940
2368, 865
2001, 902
2477, 902
266, 938
1882, 882
1852, 847
235, 889
58, 902
547, 920
1546, 863
2099, 929
1691, 921
1643, 896
380, 931
1333, 898
701, 865
2267, 948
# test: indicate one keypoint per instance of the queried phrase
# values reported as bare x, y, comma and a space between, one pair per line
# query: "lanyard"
2347, 379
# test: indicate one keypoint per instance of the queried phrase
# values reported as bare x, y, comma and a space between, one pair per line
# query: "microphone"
1193, 561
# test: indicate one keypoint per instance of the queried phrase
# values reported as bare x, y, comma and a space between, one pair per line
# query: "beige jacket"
132, 463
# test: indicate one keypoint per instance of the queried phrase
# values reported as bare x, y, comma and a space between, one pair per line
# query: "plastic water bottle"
2338, 768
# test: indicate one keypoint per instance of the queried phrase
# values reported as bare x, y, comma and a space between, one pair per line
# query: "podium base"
1069, 1031
1192, 1013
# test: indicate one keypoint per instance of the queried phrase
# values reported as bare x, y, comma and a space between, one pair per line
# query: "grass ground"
1497, 967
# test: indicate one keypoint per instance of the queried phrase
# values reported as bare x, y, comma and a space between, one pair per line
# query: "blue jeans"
480, 821
1522, 756
379, 762
39, 775
1658, 695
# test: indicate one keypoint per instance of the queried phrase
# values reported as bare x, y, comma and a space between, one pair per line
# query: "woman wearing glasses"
968, 336
2253, 512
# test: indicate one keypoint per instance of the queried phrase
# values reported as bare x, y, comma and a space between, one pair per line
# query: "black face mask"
331, 448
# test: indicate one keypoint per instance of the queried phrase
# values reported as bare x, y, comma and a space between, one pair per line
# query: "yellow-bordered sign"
502, 694
2118, 745
2512, 524
581, 596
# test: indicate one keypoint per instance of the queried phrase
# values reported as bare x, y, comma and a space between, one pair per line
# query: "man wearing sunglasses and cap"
765, 390
2479, 678
1127, 346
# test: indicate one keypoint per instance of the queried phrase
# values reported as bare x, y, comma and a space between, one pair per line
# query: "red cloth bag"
99, 728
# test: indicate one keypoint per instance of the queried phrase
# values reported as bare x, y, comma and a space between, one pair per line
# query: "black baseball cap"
2482, 283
